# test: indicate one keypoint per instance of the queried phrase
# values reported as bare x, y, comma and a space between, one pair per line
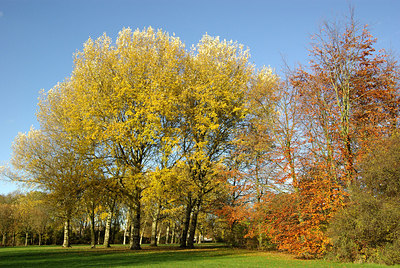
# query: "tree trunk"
186, 222
131, 237
159, 236
141, 236
26, 239
108, 230
173, 233
135, 230
125, 233
92, 229
154, 227
128, 225
4, 239
80, 228
143, 229
153, 238
193, 225
66, 234
114, 228
167, 234
99, 227
40, 239
260, 237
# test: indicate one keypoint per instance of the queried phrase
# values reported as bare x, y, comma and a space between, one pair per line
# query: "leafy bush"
368, 229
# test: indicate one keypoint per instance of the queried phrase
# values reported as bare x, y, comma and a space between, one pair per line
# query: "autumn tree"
52, 165
211, 105
348, 96
119, 91
351, 93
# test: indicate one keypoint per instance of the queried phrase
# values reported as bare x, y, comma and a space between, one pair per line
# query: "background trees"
6, 221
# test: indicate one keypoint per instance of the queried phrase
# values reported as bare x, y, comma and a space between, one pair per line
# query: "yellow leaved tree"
212, 104
123, 94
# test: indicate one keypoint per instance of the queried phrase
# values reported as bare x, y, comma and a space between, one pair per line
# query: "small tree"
348, 96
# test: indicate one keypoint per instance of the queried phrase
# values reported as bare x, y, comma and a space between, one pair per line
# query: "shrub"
368, 229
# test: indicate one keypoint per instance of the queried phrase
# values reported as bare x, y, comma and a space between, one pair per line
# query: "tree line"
32, 219
204, 136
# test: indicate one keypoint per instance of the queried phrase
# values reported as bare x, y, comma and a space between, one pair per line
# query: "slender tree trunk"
66, 234
99, 227
159, 236
26, 239
80, 229
4, 239
193, 225
135, 230
40, 239
186, 222
92, 229
113, 228
128, 225
108, 230
154, 227
142, 232
13, 241
125, 233
131, 237
173, 233
167, 234
349, 159
153, 238
141, 236
260, 237
232, 234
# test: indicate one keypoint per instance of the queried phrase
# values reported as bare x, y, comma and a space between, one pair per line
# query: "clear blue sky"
38, 38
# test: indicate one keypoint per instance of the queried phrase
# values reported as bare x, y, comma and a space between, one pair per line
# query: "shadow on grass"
101, 257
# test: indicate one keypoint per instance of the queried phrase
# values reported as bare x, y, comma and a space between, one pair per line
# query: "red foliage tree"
348, 97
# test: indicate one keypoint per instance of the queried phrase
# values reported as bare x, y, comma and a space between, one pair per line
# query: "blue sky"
38, 38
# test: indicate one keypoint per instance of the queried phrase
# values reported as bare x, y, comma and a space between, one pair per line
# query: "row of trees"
21, 216
151, 125
32, 219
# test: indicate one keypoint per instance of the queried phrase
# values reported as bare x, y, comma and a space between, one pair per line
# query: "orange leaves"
347, 98
297, 221
233, 214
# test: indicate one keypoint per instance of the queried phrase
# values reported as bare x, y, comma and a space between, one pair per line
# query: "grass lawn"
208, 255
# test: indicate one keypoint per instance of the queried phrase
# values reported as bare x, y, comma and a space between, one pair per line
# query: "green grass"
164, 256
